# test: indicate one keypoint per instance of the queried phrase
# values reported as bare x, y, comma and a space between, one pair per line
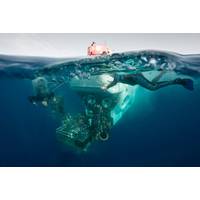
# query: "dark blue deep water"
162, 128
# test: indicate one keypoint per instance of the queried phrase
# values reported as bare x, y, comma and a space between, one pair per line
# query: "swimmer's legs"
150, 85
139, 79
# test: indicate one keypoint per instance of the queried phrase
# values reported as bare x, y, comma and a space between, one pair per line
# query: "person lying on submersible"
155, 84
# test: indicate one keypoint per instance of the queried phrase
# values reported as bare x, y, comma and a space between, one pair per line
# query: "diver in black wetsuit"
46, 97
139, 79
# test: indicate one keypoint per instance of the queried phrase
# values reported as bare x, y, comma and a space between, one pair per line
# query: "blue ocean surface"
160, 129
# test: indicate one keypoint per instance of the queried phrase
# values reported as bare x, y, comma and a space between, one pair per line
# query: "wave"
26, 67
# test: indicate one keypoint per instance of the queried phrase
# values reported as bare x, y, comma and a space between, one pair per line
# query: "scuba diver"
42, 94
46, 97
139, 79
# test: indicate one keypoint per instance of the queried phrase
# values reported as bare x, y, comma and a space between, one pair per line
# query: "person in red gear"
94, 50
91, 49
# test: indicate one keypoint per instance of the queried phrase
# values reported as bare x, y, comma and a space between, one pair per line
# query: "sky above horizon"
75, 44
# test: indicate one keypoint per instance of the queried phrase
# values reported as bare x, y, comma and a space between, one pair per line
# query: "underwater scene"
109, 108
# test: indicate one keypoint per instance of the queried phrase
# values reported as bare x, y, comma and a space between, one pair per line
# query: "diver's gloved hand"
104, 87
185, 82
32, 99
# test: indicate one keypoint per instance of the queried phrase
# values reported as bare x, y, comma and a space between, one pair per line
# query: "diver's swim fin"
187, 83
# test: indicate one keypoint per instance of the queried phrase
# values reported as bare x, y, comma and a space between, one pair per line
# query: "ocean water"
160, 129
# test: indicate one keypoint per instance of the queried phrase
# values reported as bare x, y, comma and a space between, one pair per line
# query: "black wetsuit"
40, 97
139, 79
